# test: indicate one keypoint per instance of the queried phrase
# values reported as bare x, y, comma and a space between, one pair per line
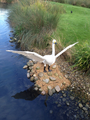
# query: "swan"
47, 59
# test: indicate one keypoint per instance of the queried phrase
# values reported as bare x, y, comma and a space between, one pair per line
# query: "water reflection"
29, 94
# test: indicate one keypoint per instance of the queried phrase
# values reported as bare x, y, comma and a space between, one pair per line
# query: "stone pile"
13, 39
46, 82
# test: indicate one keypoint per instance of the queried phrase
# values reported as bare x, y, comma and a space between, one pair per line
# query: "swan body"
47, 59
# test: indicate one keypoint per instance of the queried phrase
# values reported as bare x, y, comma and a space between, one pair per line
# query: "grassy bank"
36, 23
75, 27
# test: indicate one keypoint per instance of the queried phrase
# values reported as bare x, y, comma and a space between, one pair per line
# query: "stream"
18, 100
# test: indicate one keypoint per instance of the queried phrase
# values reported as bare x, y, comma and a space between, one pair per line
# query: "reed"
34, 21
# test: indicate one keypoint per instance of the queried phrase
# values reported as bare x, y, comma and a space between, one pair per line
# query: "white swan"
47, 59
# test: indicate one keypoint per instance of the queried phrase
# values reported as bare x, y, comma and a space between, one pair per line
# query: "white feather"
65, 50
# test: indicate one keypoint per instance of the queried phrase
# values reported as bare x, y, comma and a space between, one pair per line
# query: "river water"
18, 101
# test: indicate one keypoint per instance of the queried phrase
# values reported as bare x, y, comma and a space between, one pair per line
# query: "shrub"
83, 3
34, 21
82, 57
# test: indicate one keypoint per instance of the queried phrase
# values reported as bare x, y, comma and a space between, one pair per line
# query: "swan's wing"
31, 55
65, 49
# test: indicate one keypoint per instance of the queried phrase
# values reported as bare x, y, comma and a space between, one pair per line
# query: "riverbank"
79, 80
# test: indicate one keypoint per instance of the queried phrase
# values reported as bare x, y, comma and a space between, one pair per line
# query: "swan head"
54, 41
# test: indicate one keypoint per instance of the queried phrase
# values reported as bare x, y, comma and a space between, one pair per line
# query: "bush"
82, 57
83, 3
34, 21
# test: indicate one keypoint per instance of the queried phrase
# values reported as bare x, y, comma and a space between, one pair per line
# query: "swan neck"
53, 49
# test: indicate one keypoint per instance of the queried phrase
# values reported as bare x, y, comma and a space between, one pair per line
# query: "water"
18, 101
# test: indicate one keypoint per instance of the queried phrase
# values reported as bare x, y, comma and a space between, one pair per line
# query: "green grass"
83, 3
37, 23
75, 27
34, 22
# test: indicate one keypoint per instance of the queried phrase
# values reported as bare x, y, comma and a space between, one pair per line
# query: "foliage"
75, 27
82, 56
9, 1
83, 3
34, 21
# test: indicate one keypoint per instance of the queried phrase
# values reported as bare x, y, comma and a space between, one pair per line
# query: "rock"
15, 39
80, 105
29, 64
34, 62
31, 74
56, 74
53, 90
19, 41
33, 71
28, 75
64, 83
64, 95
49, 87
50, 92
49, 73
37, 68
54, 66
51, 111
46, 80
67, 103
25, 67
52, 78
66, 76
89, 89
62, 92
11, 37
30, 68
40, 89
43, 92
28, 71
35, 85
71, 97
40, 74
85, 109
87, 106
34, 75
32, 79
36, 88
57, 88
11, 41
35, 78
60, 77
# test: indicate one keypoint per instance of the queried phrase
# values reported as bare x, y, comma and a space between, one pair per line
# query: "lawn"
74, 26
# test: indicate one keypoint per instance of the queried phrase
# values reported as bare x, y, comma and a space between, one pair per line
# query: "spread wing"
31, 55
65, 50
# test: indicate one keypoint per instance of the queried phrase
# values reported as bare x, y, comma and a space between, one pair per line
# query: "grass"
37, 24
75, 27
34, 22
83, 3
